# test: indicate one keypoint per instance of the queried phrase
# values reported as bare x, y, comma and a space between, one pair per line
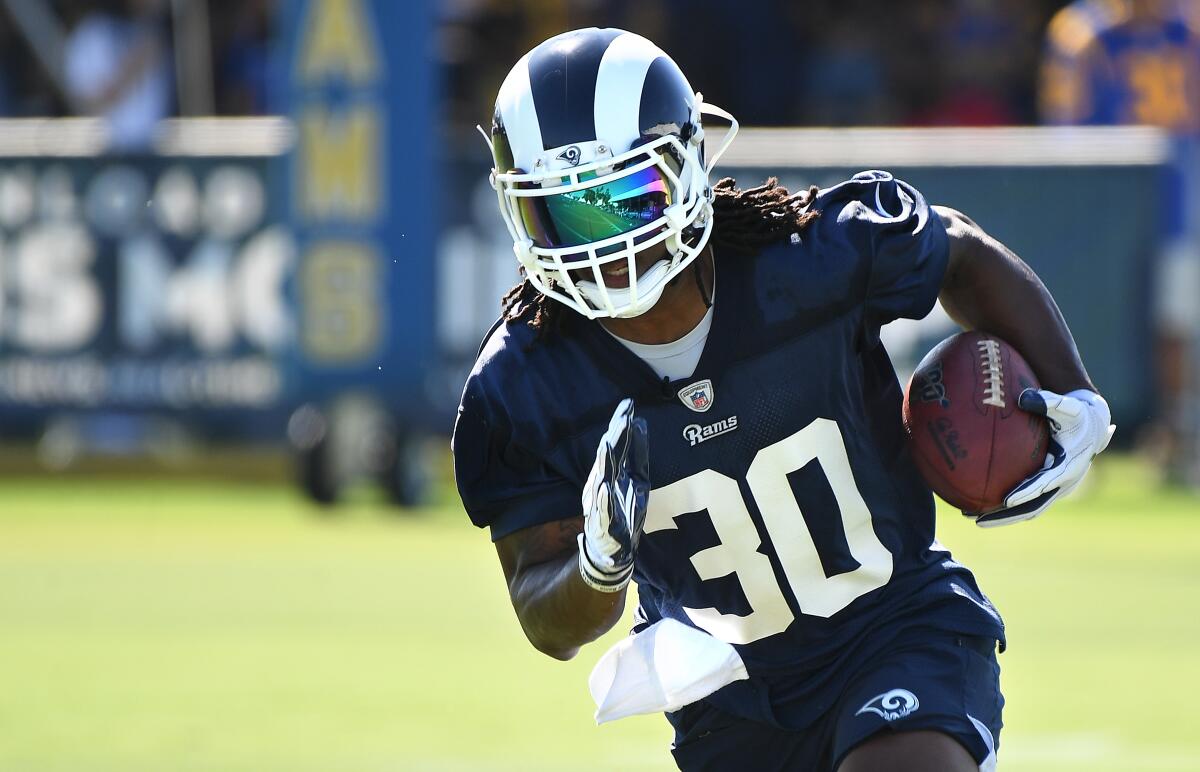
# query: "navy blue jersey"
785, 515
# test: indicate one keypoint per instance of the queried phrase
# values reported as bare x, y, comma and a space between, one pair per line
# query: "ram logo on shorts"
892, 705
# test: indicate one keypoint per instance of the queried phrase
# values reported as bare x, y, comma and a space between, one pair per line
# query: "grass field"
192, 626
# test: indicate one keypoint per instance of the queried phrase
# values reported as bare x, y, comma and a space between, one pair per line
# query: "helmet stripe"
518, 117
619, 89
666, 100
562, 74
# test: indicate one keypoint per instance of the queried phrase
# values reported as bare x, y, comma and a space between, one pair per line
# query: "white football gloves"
1079, 429
614, 502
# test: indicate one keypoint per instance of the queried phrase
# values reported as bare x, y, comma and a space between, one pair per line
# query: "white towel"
664, 667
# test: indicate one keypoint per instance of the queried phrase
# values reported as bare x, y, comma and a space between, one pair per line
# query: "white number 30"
737, 553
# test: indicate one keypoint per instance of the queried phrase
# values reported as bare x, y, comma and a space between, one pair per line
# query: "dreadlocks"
545, 315
744, 221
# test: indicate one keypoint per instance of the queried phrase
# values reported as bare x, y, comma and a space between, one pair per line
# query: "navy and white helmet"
597, 142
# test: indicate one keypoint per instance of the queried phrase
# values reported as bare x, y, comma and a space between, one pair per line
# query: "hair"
744, 221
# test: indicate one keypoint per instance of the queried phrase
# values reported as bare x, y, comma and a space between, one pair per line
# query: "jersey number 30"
737, 553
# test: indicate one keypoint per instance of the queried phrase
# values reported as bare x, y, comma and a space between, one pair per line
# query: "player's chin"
616, 273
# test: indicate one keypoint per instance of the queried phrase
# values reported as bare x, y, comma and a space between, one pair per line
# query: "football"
970, 441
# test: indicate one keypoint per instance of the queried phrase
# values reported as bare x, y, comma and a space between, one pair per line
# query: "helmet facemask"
570, 222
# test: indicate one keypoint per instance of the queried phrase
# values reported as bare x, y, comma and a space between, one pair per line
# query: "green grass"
190, 626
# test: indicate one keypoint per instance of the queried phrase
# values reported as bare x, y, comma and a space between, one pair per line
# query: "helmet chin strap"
622, 297
654, 277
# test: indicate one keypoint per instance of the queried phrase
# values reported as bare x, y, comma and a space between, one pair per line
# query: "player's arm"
567, 579
558, 611
987, 287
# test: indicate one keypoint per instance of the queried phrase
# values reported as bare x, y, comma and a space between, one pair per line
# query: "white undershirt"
675, 360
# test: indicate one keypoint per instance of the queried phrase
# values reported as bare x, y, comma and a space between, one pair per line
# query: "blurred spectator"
1124, 62
117, 65
1138, 62
772, 62
974, 80
845, 79
6, 85
25, 89
242, 32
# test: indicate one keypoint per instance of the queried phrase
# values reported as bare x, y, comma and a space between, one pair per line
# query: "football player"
753, 479
1111, 62
1138, 62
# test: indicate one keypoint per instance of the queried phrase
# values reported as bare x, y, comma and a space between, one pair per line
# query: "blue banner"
141, 284
359, 76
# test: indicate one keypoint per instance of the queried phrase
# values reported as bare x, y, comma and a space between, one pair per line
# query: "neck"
676, 313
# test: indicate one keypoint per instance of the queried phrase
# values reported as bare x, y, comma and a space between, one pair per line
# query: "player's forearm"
987, 287
558, 611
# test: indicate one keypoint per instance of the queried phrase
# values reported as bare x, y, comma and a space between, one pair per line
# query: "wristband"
599, 579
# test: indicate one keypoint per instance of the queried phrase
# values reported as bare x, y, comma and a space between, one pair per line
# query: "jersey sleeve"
892, 224
503, 485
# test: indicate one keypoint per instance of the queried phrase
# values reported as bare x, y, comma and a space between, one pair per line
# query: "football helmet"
599, 157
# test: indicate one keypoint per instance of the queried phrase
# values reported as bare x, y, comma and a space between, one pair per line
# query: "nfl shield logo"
698, 396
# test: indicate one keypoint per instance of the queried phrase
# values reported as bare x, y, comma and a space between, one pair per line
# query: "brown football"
969, 439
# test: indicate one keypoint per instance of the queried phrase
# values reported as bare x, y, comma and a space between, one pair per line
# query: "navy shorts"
932, 681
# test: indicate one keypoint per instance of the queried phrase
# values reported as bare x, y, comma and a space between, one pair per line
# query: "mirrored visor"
596, 213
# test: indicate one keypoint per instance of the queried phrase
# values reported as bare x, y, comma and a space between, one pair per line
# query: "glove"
614, 502
1079, 429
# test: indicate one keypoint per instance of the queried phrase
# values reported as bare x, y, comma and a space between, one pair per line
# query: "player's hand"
614, 502
1079, 429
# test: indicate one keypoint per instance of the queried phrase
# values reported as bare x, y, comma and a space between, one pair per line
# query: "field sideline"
199, 626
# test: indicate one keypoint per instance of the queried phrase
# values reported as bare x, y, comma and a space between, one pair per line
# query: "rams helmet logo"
571, 155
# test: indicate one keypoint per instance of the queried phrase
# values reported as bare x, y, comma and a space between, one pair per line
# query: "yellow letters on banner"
340, 159
339, 281
338, 40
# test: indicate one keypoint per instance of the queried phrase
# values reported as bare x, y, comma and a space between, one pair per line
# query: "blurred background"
247, 253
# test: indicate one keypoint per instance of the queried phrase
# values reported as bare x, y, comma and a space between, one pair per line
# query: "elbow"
562, 654
552, 646
562, 639
558, 613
